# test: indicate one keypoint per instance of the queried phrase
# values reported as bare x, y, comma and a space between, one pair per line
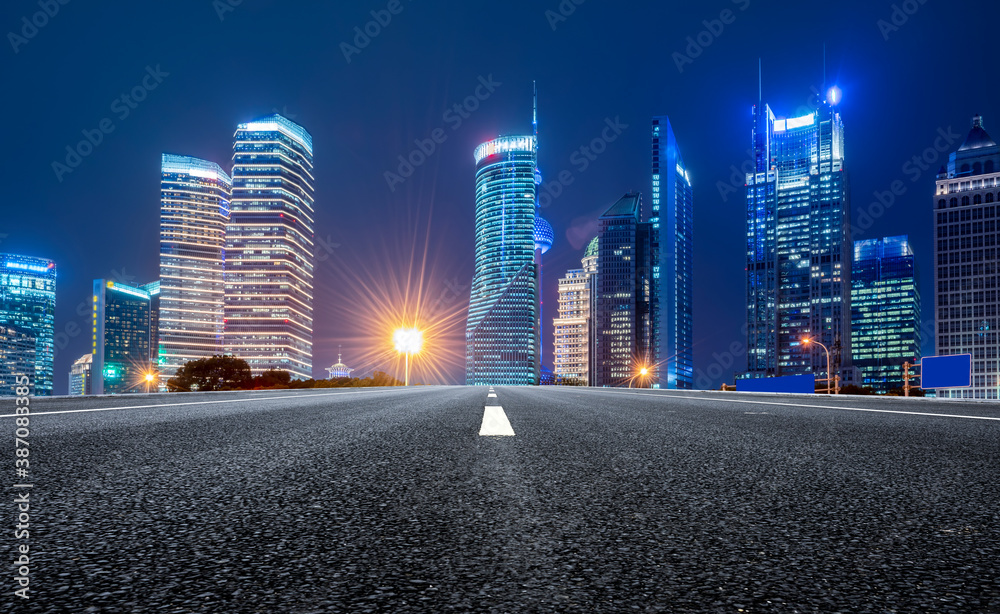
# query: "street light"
829, 376
408, 341
149, 380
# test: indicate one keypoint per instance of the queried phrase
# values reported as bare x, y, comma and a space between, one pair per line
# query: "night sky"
903, 81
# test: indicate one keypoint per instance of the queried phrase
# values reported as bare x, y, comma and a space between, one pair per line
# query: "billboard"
946, 371
799, 384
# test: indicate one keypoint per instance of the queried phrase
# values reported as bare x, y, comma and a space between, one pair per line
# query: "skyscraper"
672, 251
269, 248
885, 311
17, 360
623, 318
121, 338
799, 247
28, 304
502, 339
573, 324
965, 278
194, 211
153, 288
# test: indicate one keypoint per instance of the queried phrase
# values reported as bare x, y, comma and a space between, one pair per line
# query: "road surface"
390, 500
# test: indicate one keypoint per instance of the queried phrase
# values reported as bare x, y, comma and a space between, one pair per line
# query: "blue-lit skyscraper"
17, 361
799, 249
28, 305
885, 311
502, 330
672, 252
187, 322
269, 248
121, 338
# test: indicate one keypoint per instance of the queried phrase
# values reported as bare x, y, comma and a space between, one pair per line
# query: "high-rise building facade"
270, 248
623, 323
798, 256
153, 288
28, 304
672, 250
121, 338
966, 210
573, 324
80, 376
194, 212
885, 311
502, 336
17, 360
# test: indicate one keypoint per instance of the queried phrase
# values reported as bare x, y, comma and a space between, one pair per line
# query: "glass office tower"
672, 251
121, 338
623, 318
502, 330
799, 248
28, 305
188, 304
966, 210
269, 248
885, 311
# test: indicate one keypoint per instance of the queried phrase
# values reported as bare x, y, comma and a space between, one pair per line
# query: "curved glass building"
269, 248
502, 331
194, 211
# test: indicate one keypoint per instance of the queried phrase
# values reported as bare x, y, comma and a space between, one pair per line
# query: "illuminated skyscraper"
121, 338
967, 207
799, 247
623, 317
153, 288
885, 311
672, 252
194, 211
573, 325
269, 248
502, 340
28, 305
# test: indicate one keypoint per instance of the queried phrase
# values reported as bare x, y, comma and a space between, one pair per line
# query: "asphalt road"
389, 500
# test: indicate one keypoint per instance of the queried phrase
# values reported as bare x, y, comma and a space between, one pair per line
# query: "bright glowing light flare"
408, 340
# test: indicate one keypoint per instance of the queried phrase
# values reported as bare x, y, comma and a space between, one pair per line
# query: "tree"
272, 378
210, 374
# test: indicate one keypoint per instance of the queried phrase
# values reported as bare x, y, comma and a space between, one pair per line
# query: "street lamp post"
149, 381
408, 341
829, 376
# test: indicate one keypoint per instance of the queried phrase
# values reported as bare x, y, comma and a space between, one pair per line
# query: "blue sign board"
946, 371
800, 384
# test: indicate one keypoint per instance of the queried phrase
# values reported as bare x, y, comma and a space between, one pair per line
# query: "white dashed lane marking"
495, 422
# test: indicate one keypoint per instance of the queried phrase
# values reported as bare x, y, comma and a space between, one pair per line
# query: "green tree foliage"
210, 374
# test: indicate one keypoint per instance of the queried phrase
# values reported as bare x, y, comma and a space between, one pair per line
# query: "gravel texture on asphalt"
387, 500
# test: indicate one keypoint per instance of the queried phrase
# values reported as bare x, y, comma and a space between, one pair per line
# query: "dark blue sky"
606, 60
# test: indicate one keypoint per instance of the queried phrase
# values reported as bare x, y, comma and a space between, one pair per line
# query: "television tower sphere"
544, 235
